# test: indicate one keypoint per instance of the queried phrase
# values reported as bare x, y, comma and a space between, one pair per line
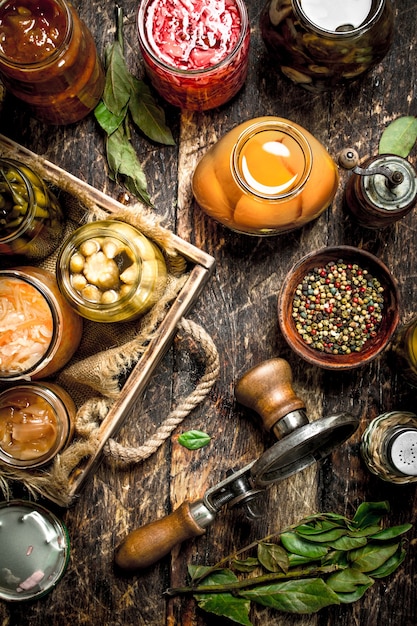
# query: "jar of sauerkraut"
36, 423
39, 331
110, 272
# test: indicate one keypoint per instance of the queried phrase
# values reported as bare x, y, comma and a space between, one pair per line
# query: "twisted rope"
130, 455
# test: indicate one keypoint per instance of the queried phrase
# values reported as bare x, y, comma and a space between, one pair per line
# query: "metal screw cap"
402, 451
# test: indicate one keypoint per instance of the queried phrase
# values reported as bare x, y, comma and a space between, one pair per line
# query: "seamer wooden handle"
146, 545
267, 389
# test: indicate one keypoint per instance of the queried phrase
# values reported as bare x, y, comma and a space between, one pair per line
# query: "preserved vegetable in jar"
266, 176
48, 59
321, 45
404, 348
196, 53
31, 218
36, 423
39, 331
109, 272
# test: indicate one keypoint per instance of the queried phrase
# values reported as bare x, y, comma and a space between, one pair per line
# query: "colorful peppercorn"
338, 307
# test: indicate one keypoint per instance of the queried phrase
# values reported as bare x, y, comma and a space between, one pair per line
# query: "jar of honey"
39, 331
109, 272
48, 59
37, 421
265, 177
31, 218
322, 45
196, 53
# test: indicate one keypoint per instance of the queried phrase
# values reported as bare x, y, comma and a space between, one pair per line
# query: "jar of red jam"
39, 331
49, 60
109, 272
31, 219
37, 421
321, 45
196, 53
265, 177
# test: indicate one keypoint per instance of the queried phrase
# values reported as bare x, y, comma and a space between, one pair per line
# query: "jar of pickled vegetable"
196, 53
321, 44
31, 219
37, 421
48, 59
265, 177
109, 272
39, 331
404, 347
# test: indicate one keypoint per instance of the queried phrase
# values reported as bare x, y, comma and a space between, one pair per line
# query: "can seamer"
267, 389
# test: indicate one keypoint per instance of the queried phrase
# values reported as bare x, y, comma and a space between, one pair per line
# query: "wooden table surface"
238, 310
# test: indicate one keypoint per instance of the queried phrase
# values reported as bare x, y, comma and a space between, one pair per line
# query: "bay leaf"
348, 543
354, 596
304, 596
370, 513
347, 580
371, 556
118, 85
390, 564
245, 565
294, 543
399, 137
107, 120
194, 439
387, 534
273, 557
224, 604
125, 166
147, 115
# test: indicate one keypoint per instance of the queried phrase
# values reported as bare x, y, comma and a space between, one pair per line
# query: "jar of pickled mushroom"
109, 272
31, 219
265, 177
37, 421
196, 53
321, 44
48, 59
39, 331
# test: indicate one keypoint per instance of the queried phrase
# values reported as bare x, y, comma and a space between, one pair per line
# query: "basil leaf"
392, 533
371, 556
147, 115
293, 543
107, 120
194, 439
369, 513
118, 85
347, 580
124, 165
273, 557
399, 137
224, 604
307, 595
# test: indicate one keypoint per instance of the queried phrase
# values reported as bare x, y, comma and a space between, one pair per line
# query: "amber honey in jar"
31, 218
323, 44
37, 421
265, 177
39, 331
196, 53
109, 272
48, 59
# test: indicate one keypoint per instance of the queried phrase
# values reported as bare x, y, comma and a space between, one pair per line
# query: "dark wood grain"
238, 310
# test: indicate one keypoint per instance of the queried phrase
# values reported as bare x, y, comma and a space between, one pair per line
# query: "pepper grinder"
389, 447
380, 192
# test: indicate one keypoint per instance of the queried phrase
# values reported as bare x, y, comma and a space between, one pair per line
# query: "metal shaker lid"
381, 194
401, 450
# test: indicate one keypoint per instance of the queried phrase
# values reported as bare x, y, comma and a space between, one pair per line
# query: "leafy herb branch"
326, 559
127, 101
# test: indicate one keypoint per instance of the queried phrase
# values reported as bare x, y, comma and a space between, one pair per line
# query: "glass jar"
266, 176
39, 331
49, 60
31, 219
404, 348
197, 53
321, 45
37, 421
377, 201
389, 447
109, 272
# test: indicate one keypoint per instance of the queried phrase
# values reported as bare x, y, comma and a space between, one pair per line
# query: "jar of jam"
109, 272
49, 60
265, 177
31, 219
196, 53
321, 45
404, 348
37, 421
39, 331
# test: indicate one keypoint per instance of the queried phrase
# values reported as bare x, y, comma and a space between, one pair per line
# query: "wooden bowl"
384, 330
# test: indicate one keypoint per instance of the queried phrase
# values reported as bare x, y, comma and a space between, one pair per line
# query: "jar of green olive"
110, 272
31, 219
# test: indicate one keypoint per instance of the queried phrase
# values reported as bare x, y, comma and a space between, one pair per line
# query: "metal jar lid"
401, 450
34, 550
381, 194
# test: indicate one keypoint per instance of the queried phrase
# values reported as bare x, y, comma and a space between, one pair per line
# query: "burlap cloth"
107, 353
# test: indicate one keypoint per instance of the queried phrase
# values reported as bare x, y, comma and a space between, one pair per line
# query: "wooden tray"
202, 266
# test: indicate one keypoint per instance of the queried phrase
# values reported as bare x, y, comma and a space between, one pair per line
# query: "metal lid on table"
34, 550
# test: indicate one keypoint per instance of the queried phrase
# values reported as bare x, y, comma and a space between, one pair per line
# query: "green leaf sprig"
326, 559
399, 137
127, 100
194, 439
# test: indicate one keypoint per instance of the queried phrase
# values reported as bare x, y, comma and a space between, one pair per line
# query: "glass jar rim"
54, 55
371, 19
53, 307
143, 40
25, 224
286, 128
